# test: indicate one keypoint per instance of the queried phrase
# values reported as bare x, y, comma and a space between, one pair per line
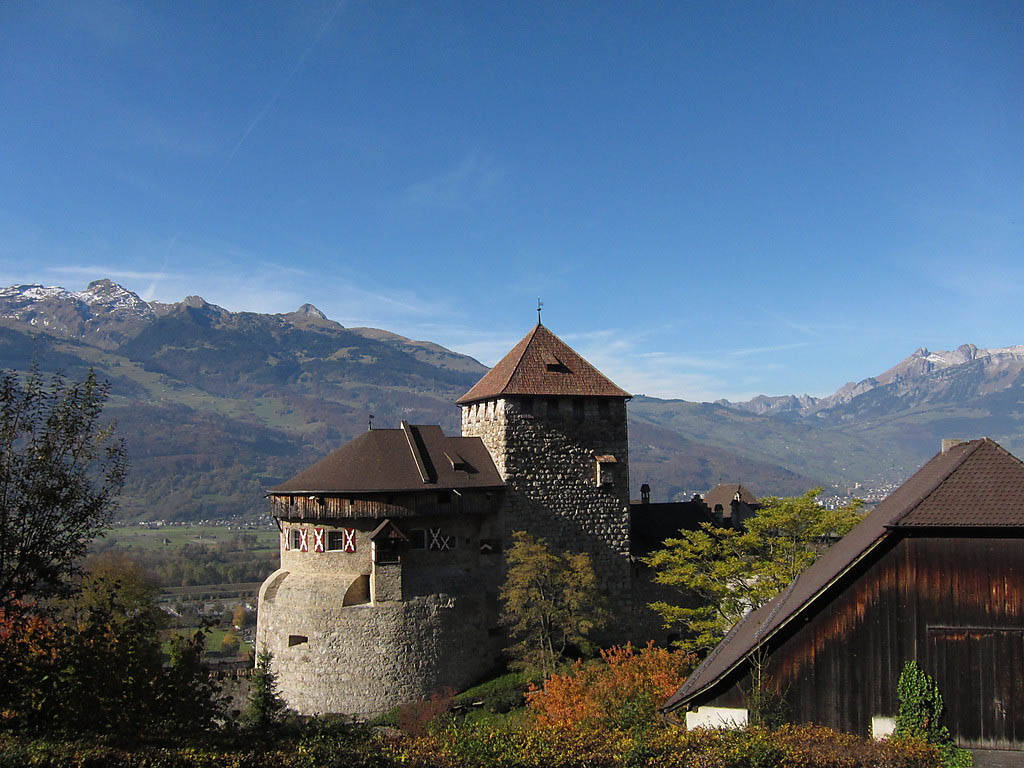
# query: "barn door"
980, 673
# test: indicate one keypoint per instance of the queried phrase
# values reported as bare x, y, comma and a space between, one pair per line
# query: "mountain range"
216, 406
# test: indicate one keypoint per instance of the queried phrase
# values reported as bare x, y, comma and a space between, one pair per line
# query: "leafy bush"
333, 743
498, 695
920, 715
622, 691
812, 746
414, 717
92, 665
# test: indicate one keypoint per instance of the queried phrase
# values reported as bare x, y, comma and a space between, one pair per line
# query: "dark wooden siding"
954, 604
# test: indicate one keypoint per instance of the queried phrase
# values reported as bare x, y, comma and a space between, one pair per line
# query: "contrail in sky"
280, 89
267, 107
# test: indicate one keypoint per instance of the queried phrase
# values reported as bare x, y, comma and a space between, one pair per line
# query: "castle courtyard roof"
412, 458
725, 493
542, 364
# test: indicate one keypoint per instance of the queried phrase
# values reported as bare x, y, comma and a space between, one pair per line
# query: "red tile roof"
542, 364
975, 484
413, 458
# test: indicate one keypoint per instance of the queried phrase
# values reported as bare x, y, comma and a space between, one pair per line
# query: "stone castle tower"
556, 429
391, 547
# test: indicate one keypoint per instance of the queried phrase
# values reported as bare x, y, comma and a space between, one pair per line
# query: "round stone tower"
380, 597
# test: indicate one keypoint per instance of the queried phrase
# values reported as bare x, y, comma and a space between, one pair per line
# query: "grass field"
214, 639
173, 536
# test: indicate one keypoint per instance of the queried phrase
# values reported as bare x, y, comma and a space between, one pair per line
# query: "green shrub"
920, 715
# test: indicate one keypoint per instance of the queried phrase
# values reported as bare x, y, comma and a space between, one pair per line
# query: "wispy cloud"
98, 271
472, 179
985, 284
775, 348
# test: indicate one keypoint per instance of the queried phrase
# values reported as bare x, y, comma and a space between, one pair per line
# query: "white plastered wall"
716, 717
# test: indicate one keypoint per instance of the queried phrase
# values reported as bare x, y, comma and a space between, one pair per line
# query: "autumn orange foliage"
30, 646
624, 689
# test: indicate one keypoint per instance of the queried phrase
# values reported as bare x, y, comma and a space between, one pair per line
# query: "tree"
230, 643
265, 707
93, 663
191, 697
549, 602
111, 678
724, 573
60, 472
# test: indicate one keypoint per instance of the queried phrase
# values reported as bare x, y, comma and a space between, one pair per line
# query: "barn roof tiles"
413, 458
975, 484
542, 364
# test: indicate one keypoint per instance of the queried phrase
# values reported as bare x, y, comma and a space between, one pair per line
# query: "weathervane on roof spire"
540, 306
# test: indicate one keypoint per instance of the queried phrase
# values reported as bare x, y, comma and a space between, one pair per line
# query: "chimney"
951, 442
645, 494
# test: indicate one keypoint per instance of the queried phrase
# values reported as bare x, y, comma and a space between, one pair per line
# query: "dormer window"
554, 365
458, 462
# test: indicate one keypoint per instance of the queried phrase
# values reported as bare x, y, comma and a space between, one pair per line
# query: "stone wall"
335, 651
365, 659
546, 450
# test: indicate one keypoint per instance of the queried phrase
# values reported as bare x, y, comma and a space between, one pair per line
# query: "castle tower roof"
542, 364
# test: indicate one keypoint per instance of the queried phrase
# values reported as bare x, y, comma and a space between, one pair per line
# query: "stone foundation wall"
365, 659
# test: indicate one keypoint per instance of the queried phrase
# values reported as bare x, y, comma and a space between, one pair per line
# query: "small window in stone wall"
417, 539
386, 551
298, 539
606, 470
297, 640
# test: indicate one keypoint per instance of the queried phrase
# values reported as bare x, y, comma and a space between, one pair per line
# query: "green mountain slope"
217, 406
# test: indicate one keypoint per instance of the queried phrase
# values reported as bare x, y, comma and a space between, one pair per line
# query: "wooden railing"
324, 507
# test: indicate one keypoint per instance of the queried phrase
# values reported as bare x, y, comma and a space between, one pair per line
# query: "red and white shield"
318, 539
287, 540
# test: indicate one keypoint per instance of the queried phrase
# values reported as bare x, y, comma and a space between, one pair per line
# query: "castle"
391, 546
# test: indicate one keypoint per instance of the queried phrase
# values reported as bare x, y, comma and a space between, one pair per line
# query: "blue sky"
712, 199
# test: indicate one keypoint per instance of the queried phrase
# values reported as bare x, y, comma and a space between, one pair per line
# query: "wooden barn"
934, 573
